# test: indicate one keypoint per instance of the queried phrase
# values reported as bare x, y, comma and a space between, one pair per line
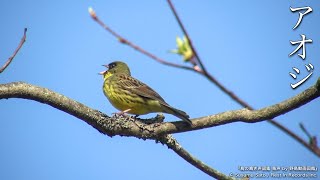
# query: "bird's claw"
122, 113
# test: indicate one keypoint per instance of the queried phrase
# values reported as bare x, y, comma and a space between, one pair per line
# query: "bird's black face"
115, 67
111, 68
112, 65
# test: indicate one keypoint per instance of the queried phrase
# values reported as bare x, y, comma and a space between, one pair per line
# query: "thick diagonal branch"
129, 127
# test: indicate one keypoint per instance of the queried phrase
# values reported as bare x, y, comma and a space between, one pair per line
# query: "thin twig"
313, 142
23, 39
188, 37
134, 46
305, 130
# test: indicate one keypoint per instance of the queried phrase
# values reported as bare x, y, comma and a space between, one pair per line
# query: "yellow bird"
130, 95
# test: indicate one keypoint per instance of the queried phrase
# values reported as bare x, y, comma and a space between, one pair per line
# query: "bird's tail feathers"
178, 113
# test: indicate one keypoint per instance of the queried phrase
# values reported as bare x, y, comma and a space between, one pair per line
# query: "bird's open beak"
103, 72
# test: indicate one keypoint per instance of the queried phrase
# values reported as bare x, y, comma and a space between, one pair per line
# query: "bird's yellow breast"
123, 99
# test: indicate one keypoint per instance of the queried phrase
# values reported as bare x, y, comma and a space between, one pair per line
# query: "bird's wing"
137, 87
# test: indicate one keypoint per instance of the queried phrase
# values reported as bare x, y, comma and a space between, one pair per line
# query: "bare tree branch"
172, 143
134, 46
23, 39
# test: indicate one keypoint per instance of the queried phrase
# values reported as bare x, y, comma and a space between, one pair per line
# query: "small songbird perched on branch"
130, 95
